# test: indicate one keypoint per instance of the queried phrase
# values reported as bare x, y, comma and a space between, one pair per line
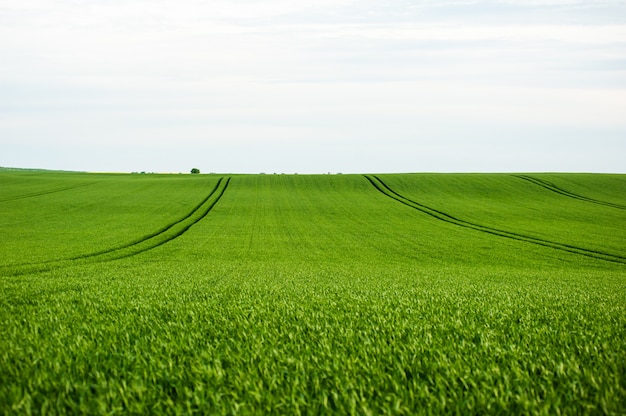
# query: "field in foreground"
289, 294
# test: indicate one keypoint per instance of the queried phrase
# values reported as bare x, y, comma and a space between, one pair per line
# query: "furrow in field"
553, 188
202, 211
164, 230
46, 192
148, 242
442, 216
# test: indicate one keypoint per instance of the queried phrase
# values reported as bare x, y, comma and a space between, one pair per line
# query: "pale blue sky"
313, 86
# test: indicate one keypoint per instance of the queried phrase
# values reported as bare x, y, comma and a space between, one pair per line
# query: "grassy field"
288, 294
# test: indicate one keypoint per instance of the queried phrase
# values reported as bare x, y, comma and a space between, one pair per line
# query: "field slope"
282, 294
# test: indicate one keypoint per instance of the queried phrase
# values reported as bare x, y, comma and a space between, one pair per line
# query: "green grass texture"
312, 294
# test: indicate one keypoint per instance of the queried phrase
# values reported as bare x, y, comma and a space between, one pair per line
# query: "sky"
313, 86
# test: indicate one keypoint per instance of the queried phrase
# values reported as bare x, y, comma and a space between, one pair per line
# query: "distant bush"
195, 170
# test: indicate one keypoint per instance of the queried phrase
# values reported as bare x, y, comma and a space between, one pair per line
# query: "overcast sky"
313, 86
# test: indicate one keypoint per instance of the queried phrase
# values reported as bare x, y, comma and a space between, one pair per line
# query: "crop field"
291, 294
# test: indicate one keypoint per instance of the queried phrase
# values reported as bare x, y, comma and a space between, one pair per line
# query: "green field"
288, 294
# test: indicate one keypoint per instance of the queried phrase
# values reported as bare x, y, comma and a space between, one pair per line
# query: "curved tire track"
383, 188
148, 242
46, 192
553, 188
202, 211
163, 230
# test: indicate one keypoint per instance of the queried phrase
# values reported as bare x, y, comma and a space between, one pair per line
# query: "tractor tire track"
46, 192
383, 188
163, 229
143, 244
203, 212
553, 188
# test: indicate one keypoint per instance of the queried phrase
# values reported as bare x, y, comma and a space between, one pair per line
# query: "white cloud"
320, 73
576, 34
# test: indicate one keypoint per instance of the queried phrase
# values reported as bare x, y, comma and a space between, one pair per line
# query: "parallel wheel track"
199, 212
143, 244
553, 188
46, 192
383, 188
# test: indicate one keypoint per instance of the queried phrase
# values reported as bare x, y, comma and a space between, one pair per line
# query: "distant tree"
195, 170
